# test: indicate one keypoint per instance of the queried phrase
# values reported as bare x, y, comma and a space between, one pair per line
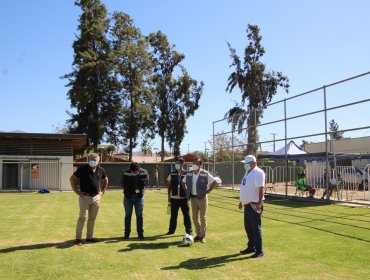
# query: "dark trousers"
253, 228
184, 205
129, 203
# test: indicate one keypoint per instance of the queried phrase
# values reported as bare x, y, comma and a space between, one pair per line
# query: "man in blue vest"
198, 184
134, 181
177, 197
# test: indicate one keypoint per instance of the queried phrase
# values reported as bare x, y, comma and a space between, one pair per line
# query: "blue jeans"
129, 203
253, 228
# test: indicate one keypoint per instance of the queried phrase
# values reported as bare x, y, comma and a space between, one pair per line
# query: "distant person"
93, 184
177, 198
333, 187
198, 184
156, 177
251, 198
301, 185
134, 181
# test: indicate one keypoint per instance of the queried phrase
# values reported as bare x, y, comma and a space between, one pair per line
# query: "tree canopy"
257, 85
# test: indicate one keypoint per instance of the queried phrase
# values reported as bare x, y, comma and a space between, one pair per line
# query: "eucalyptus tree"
177, 97
133, 68
257, 86
91, 85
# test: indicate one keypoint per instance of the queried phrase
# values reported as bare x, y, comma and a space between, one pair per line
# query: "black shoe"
170, 232
92, 240
126, 236
197, 238
257, 255
247, 251
141, 237
78, 242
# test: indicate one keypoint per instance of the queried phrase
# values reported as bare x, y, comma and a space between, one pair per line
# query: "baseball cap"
249, 159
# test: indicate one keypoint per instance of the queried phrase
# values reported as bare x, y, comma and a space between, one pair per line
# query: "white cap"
249, 159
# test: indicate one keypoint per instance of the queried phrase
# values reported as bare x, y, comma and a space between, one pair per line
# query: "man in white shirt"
251, 197
198, 184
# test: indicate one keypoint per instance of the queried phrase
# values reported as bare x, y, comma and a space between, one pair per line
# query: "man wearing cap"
177, 198
251, 197
93, 183
198, 184
133, 182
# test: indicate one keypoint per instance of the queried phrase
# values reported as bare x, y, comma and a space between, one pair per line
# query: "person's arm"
74, 182
169, 188
213, 185
240, 205
105, 185
260, 197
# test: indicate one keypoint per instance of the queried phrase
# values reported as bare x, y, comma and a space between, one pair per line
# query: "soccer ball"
188, 240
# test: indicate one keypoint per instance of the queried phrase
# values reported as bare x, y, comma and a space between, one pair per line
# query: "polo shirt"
249, 187
90, 181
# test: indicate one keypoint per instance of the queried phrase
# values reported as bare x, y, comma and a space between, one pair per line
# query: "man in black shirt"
93, 184
134, 181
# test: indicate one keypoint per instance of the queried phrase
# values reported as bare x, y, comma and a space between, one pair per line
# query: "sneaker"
126, 236
247, 251
92, 240
197, 238
78, 242
257, 255
203, 240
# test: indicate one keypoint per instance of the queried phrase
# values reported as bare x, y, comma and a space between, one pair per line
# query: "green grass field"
302, 240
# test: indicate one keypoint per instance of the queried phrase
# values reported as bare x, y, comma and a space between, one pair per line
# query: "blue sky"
312, 42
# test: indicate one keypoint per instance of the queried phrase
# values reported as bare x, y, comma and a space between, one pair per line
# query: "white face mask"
195, 167
177, 166
93, 163
247, 167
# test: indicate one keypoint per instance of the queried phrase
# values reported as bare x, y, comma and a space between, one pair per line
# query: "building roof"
47, 140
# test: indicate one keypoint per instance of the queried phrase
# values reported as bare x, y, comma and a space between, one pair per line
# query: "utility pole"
273, 134
188, 148
205, 150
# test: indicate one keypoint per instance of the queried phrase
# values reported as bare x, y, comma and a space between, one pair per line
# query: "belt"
192, 195
90, 194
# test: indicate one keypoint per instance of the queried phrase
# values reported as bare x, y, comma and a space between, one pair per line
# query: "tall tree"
177, 97
92, 90
133, 70
256, 84
334, 133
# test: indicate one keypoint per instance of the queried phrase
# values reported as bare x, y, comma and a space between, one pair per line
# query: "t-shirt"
90, 181
249, 187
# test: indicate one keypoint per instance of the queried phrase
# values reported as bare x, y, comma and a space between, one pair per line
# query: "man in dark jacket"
134, 181
177, 197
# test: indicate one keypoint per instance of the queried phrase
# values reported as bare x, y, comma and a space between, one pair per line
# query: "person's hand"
258, 207
80, 194
240, 205
100, 193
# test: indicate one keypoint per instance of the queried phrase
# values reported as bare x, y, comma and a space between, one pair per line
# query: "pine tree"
91, 87
177, 97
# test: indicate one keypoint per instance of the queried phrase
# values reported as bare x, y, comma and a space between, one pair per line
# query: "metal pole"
328, 171
232, 150
286, 156
214, 148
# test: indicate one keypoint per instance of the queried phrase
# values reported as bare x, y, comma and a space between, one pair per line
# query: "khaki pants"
199, 214
89, 208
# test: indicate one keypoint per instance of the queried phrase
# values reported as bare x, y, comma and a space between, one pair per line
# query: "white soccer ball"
188, 240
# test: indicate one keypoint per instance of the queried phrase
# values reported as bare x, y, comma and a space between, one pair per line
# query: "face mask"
195, 167
177, 166
247, 167
93, 163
